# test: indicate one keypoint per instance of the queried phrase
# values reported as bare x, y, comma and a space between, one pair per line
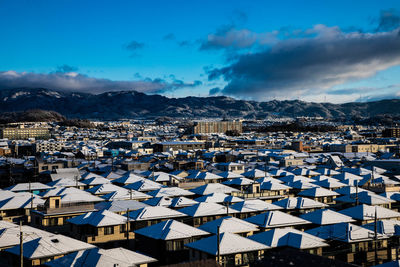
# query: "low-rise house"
148, 216
43, 249
61, 204
299, 205
320, 194
16, 207
353, 244
230, 224
94, 257
234, 250
277, 219
287, 237
366, 214
165, 241
326, 217
253, 207
99, 227
204, 212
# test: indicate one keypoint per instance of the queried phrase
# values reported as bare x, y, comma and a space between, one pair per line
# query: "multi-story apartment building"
24, 133
202, 127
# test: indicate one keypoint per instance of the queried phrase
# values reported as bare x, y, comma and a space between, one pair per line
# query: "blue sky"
173, 47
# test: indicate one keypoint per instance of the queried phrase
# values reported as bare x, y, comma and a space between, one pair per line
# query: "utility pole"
376, 236
21, 244
127, 228
218, 241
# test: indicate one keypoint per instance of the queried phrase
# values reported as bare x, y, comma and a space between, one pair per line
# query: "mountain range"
133, 104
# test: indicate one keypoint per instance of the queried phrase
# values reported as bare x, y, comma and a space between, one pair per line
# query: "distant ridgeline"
132, 104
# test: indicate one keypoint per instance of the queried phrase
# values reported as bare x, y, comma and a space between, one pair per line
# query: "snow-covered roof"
171, 230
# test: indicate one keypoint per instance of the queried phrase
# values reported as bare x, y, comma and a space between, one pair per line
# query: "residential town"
209, 193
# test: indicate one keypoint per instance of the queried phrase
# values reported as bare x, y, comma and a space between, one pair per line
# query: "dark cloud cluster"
72, 81
228, 37
325, 58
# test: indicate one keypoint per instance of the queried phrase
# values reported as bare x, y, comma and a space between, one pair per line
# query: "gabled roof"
276, 218
365, 212
71, 195
9, 233
365, 198
98, 257
98, 219
330, 183
306, 172
326, 216
299, 203
95, 181
105, 189
229, 224
65, 182
25, 187
213, 188
49, 246
20, 201
229, 244
347, 176
345, 232
122, 194
206, 209
230, 175
347, 190
128, 178
274, 186
144, 185
180, 202
152, 213
326, 171
255, 173
268, 179
203, 176
288, 237
239, 181
170, 230
384, 227
120, 205
254, 205
219, 198
318, 192
295, 178
170, 192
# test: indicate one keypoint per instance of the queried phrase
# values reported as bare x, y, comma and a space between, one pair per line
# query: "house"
287, 237
251, 207
353, 244
101, 226
61, 204
234, 250
102, 257
230, 224
276, 219
204, 212
165, 240
43, 249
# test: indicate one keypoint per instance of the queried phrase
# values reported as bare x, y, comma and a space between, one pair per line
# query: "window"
122, 228
53, 221
45, 168
108, 230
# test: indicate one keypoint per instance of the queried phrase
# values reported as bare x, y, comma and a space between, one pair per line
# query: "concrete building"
201, 127
25, 133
